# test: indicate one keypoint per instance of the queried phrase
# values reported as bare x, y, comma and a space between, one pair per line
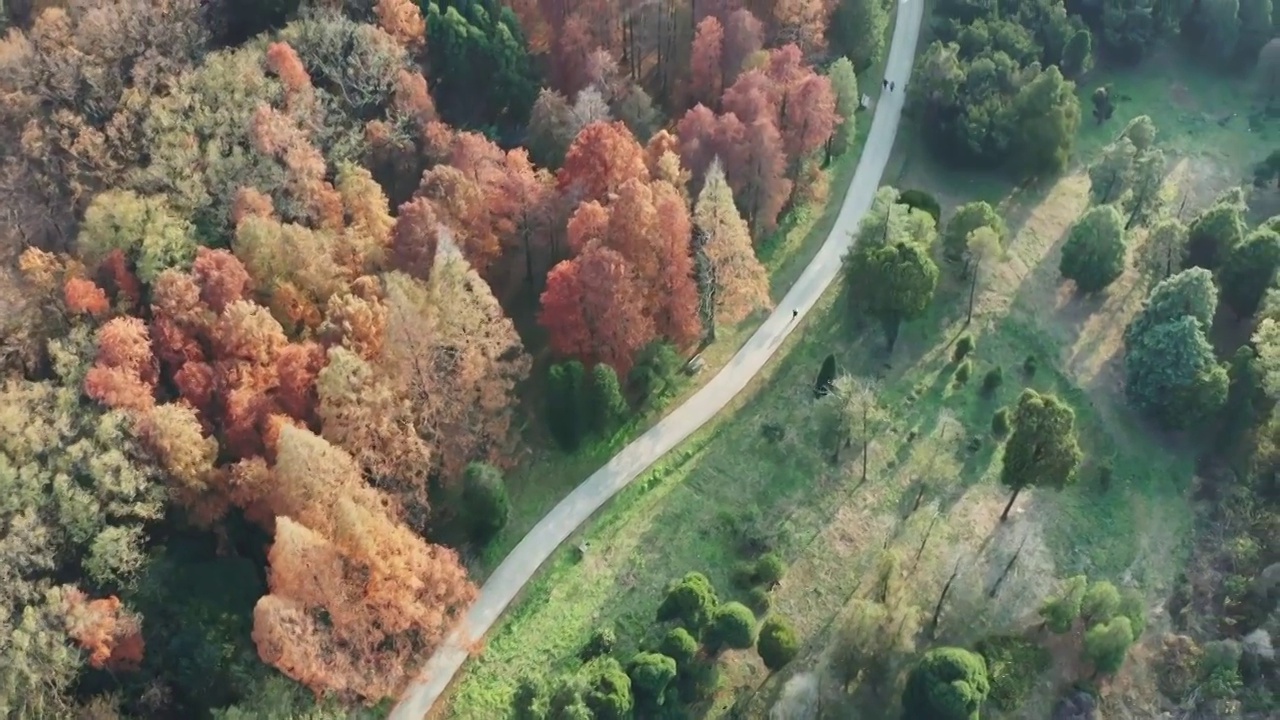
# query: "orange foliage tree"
109, 633
602, 158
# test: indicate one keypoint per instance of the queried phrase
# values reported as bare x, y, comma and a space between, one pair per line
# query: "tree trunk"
891, 328
1005, 515
973, 288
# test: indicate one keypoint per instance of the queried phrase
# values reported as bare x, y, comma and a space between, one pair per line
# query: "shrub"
963, 347
689, 600
921, 200
1030, 365
1013, 665
760, 600
565, 413
949, 683
1107, 643
1061, 610
655, 373
963, 371
769, 569
601, 643
606, 406
650, 674
1000, 422
679, 645
485, 502
992, 380
1101, 602
1093, 255
732, 625
744, 575
777, 644
608, 690
1220, 668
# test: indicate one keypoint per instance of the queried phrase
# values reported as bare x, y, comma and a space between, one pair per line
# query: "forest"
285, 285
290, 291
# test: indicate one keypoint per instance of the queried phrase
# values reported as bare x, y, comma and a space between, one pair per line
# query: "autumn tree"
743, 37
593, 310
733, 283
706, 62
756, 169
1042, 451
600, 160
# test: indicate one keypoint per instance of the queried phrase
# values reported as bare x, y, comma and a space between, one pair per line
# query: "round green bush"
1000, 422
992, 380
601, 643
690, 600
650, 674
679, 645
963, 371
949, 683
769, 569
733, 625
963, 347
777, 644
760, 599
608, 692
485, 502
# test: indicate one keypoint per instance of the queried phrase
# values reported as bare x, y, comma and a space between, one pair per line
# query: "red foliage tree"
743, 37
589, 223
83, 297
701, 140
110, 634
119, 281
124, 374
752, 98
572, 45
810, 116
415, 238
593, 311
600, 160
677, 317
756, 168
221, 276
706, 62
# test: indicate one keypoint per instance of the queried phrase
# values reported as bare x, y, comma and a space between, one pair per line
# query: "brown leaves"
283, 60
415, 238
402, 20
124, 374
600, 160
83, 297
111, 635
593, 311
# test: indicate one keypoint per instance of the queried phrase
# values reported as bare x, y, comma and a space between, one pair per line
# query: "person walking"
890, 87
794, 314
886, 83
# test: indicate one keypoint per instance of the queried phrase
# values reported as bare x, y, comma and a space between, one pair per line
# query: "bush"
608, 690
1000, 422
1093, 255
486, 506
949, 683
1101, 602
653, 378
992, 380
1106, 644
777, 644
963, 371
963, 347
760, 600
679, 645
732, 625
601, 643
1220, 669
921, 200
690, 600
650, 674
744, 575
606, 406
565, 413
1029, 365
1013, 665
769, 569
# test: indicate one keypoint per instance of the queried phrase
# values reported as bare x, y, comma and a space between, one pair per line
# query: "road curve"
519, 567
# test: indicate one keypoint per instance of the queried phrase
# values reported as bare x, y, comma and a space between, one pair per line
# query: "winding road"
519, 567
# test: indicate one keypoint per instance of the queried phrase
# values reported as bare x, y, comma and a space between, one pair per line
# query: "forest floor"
730, 493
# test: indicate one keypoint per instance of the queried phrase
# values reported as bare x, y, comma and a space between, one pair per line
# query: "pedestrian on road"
795, 314
886, 83
890, 87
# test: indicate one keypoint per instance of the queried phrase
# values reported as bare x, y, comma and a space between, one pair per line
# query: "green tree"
565, 407
484, 497
607, 407
651, 673
1268, 70
1134, 606
923, 201
850, 413
480, 69
1249, 270
1047, 115
1190, 292
1101, 602
1142, 132
1143, 200
151, 236
892, 283
1107, 644
844, 82
690, 600
1093, 255
1215, 233
1042, 451
1060, 611
1128, 28
1256, 29
732, 625
529, 701
970, 217
1164, 250
1171, 373
857, 32
1217, 25
984, 249
1077, 56
777, 643
948, 684
1109, 176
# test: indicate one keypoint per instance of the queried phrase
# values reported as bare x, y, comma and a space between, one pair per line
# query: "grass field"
729, 492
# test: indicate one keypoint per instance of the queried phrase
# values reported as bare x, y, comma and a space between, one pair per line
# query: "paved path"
519, 567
